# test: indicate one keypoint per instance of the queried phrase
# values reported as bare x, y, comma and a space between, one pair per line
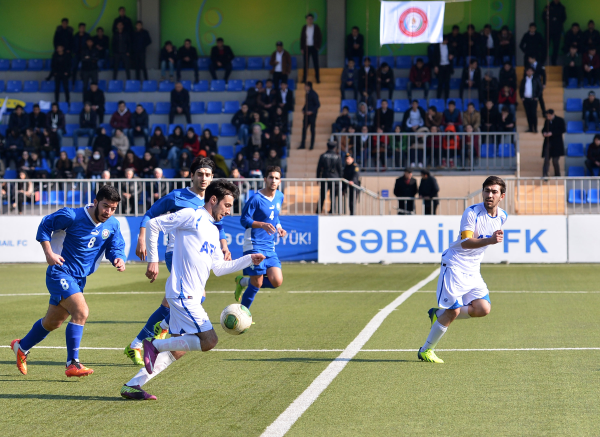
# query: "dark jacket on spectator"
60, 65
555, 142
79, 44
102, 142
574, 39
104, 42
241, 165
290, 102
385, 120
592, 62
591, 38
367, 81
402, 188
533, 44
224, 56
490, 116
453, 117
37, 122
312, 102
455, 44
94, 98
317, 37
239, 118
507, 78
503, 124
121, 43
590, 107
330, 165
351, 52
87, 120
96, 166
343, 121
141, 40
209, 145
121, 121
157, 144
176, 140
140, 120
593, 152
557, 16
187, 53
50, 116
165, 55
127, 24
349, 75
389, 75
63, 37
180, 98
467, 48
89, 60
286, 62
419, 74
435, 59
429, 187
536, 88
19, 123
476, 77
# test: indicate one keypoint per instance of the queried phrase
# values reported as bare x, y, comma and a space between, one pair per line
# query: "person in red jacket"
420, 77
507, 97
591, 66
192, 143
121, 118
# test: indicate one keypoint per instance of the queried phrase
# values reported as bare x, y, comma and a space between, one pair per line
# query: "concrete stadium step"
543, 198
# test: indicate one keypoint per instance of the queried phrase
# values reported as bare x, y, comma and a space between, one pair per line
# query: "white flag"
3, 109
411, 22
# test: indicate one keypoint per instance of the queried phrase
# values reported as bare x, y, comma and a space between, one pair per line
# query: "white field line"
284, 422
120, 292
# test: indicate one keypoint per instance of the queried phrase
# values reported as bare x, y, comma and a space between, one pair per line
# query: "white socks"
136, 344
185, 343
245, 281
164, 325
164, 360
437, 332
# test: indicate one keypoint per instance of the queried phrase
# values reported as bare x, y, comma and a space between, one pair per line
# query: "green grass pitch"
492, 392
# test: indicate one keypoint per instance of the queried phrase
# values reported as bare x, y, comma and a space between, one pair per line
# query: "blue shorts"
62, 285
271, 260
169, 260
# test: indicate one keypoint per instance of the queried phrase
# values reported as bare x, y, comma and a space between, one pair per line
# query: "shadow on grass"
319, 360
62, 364
46, 397
24, 379
110, 322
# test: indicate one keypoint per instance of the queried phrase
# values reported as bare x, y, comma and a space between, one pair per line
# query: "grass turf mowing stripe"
284, 422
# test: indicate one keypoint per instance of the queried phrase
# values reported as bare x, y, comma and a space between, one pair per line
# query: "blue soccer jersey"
259, 208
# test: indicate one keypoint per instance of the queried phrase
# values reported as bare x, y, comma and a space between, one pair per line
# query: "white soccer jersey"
197, 250
475, 223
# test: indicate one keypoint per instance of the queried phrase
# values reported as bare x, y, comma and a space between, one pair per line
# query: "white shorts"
188, 317
456, 289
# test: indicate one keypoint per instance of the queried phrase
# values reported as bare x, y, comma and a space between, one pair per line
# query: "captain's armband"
466, 234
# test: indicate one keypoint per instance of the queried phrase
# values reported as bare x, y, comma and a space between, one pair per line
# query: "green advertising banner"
365, 15
27, 27
251, 28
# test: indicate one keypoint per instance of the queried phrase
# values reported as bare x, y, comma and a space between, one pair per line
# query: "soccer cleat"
432, 315
429, 356
21, 356
77, 369
150, 354
159, 333
135, 393
239, 289
135, 355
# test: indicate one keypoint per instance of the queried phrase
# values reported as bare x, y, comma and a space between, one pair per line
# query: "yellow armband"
466, 234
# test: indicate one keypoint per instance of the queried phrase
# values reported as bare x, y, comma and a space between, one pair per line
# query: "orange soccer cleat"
77, 369
21, 356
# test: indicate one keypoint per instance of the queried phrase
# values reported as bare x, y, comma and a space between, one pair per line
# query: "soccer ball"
236, 319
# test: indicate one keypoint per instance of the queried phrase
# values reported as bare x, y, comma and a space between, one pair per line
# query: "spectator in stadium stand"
488, 42
355, 45
507, 76
102, 142
253, 96
22, 191
96, 165
26, 163
105, 175
507, 120
428, 191
471, 42
191, 142
55, 122
281, 63
242, 121
452, 117
329, 167
433, 119
132, 161
471, 80
351, 174
96, 98
310, 111
539, 72
406, 186
277, 140
256, 141
139, 125
180, 103
64, 167
592, 160
349, 80
37, 120
31, 142
256, 165
530, 90
121, 47
79, 45
490, 117
419, 77
554, 16
507, 97
89, 64
532, 43
63, 36
18, 120
591, 36
114, 164
102, 43
184, 172
385, 79
384, 117
87, 125
141, 41
574, 37
80, 163
158, 146
148, 165
272, 159
160, 186
208, 143
123, 19
441, 61
367, 83
591, 111
489, 88
187, 57
471, 119
168, 59
311, 40
455, 42
121, 118
363, 118
267, 99
342, 122
591, 67
285, 98
554, 147
505, 50
220, 57
60, 68
572, 67
128, 192
240, 163
414, 118
120, 142
13, 146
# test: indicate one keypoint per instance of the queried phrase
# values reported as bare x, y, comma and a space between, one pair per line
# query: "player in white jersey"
196, 252
461, 291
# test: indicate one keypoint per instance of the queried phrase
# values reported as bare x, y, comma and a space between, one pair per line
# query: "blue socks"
34, 336
248, 296
266, 283
162, 313
73, 334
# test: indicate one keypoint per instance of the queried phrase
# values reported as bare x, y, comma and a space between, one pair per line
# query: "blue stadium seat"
149, 86
423, 103
196, 126
132, 86
75, 108
214, 108
108, 127
70, 150
173, 126
148, 106
228, 130
401, 105
10, 174
31, 86
131, 106
239, 148
351, 104
64, 107
592, 196
36, 64
249, 83
487, 151
102, 85
47, 86
506, 150
239, 63
115, 86
403, 62
577, 196
455, 84
14, 86
138, 150
574, 105
576, 171
292, 84
3, 129
169, 173
213, 128
4, 64
226, 152
110, 107
574, 127
457, 102
235, 85
433, 85
18, 65
203, 63
401, 83
217, 85
387, 59
474, 101
165, 86
573, 83
187, 84
267, 63
70, 128
197, 108
163, 107
73, 197
57, 198
231, 107
294, 63
28, 107
200, 87
163, 127
255, 63
439, 104
1, 85
425, 59
575, 150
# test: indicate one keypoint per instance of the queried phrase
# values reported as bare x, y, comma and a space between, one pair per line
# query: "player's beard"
97, 216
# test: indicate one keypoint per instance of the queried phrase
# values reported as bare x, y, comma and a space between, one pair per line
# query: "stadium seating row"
576, 127
573, 84
401, 105
584, 196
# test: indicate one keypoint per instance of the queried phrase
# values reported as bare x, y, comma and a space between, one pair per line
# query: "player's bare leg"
77, 307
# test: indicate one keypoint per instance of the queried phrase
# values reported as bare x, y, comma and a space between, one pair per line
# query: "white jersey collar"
85, 208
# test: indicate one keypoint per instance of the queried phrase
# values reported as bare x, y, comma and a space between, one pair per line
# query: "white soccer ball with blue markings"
236, 319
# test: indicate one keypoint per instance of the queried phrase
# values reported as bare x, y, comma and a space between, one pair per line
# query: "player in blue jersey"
260, 217
74, 241
201, 171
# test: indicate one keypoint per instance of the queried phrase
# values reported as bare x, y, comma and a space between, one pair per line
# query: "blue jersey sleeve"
161, 206
281, 199
60, 220
247, 217
115, 246
221, 229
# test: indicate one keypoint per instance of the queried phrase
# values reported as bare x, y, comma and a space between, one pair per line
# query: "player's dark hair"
272, 169
495, 180
201, 162
108, 192
221, 188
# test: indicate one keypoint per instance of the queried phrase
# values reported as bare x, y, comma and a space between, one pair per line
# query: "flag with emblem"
411, 22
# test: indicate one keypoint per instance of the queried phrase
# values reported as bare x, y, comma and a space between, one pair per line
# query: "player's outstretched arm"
58, 221
476, 243
115, 251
